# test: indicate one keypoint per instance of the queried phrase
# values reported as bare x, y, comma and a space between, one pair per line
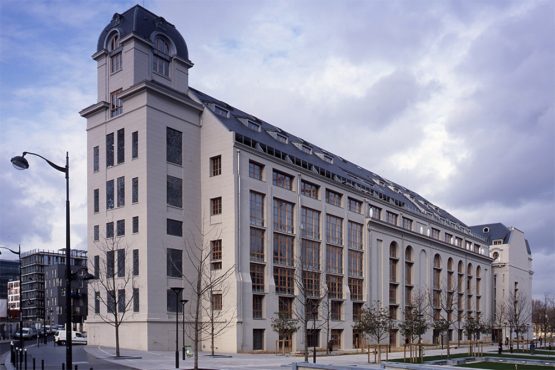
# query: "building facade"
173, 171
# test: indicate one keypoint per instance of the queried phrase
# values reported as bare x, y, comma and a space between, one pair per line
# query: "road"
54, 356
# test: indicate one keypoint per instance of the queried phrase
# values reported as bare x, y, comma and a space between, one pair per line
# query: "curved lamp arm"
11, 250
20, 162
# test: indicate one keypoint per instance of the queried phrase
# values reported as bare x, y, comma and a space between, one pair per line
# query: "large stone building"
172, 169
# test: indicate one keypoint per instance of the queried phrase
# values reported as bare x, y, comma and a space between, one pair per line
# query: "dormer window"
253, 125
161, 56
326, 157
115, 53
278, 136
306, 149
221, 111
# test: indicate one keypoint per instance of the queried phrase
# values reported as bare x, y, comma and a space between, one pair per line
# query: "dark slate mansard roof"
142, 23
497, 231
339, 170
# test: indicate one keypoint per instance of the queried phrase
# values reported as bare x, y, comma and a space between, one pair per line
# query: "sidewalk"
164, 360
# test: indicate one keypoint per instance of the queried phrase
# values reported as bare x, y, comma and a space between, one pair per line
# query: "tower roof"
143, 23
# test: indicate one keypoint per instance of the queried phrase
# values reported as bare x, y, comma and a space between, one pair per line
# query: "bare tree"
208, 285
113, 284
519, 314
415, 322
376, 323
443, 310
284, 325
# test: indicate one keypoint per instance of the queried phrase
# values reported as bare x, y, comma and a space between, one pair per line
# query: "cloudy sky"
452, 99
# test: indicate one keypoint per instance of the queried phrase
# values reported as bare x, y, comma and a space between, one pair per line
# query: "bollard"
76, 368
12, 354
63, 366
25, 351
16, 360
34, 368
42, 364
20, 359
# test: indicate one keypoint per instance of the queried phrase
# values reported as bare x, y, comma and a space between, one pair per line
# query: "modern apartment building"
172, 169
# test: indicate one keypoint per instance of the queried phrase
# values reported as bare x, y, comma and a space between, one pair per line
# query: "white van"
76, 337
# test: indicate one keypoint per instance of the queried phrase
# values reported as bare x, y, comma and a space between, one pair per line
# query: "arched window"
436, 298
162, 45
114, 50
161, 56
408, 275
113, 42
450, 275
393, 279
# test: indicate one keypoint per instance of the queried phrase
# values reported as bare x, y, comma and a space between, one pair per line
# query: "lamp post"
177, 291
20, 163
183, 303
18, 253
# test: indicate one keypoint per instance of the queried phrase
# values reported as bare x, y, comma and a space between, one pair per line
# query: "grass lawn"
504, 355
503, 366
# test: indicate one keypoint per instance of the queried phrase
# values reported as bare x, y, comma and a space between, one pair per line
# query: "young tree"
519, 313
473, 327
444, 307
113, 284
206, 282
376, 323
415, 322
284, 325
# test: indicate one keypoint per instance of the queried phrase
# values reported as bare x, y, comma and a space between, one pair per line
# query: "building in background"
172, 169
9, 310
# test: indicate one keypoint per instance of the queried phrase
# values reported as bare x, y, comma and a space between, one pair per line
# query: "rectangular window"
335, 286
110, 150
121, 191
375, 213
257, 244
135, 224
283, 249
435, 233
96, 159
109, 229
355, 205
174, 262
173, 301
392, 218
285, 307
354, 235
134, 190
111, 301
110, 194
135, 144
313, 338
355, 264
160, 65
174, 227
121, 145
96, 267
135, 299
110, 264
311, 282
334, 230
256, 208
355, 286
216, 206
256, 170
217, 302
96, 302
174, 146
174, 191
311, 255
258, 308
257, 277
310, 223
216, 256
284, 278
335, 313
407, 223
135, 262
334, 259
216, 165
116, 105
333, 198
121, 300
120, 227
282, 180
448, 238
283, 216
121, 262
115, 62
309, 189
96, 200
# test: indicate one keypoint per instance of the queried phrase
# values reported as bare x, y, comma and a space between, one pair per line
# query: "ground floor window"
313, 339
336, 338
257, 339
393, 338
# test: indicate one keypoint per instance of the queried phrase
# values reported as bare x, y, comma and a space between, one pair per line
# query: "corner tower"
143, 139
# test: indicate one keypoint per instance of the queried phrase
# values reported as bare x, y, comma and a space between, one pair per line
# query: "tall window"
284, 280
375, 212
285, 307
392, 218
217, 302
96, 200
282, 180
354, 235
333, 198
110, 194
216, 165
334, 230
120, 227
216, 206
258, 308
256, 208
173, 301
135, 262
96, 158
96, 266
174, 191
110, 264
216, 256
134, 144
311, 255
174, 262
111, 301
115, 53
309, 189
257, 244
116, 106
110, 149
96, 232
121, 191
335, 286
121, 145
393, 276
435, 233
135, 222
96, 302
283, 216
135, 299
283, 249
257, 277
407, 223
355, 263
310, 221
256, 170
161, 58
408, 275
356, 288
121, 262
109, 229
134, 189
334, 259
174, 146
311, 282
355, 205
174, 227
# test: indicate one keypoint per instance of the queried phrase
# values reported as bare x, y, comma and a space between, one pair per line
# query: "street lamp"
20, 163
177, 291
183, 303
18, 253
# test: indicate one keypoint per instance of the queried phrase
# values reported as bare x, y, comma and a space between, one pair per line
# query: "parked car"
27, 333
76, 337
